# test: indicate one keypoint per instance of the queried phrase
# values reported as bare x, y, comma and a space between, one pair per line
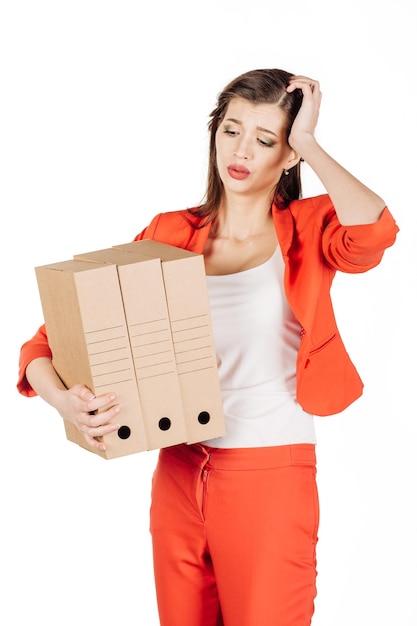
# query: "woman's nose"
242, 149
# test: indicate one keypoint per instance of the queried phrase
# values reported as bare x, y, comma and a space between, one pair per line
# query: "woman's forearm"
44, 379
353, 201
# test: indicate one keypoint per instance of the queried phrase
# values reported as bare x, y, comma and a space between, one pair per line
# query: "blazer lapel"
285, 228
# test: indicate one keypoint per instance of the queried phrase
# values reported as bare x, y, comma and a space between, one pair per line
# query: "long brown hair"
266, 86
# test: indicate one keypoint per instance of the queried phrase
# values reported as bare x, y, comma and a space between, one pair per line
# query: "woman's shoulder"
178, 228
312, 212
181, 216
312, 204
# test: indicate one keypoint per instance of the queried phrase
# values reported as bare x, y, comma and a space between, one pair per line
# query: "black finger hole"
124, 432
204, 417
164, 423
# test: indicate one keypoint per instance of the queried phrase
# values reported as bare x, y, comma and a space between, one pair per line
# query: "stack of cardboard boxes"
134, 319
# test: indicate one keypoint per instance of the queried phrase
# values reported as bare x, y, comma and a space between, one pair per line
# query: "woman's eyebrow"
263, 130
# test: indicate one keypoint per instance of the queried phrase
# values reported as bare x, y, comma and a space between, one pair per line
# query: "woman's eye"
230, 131
267, 143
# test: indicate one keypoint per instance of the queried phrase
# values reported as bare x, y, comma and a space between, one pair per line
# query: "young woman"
234, 520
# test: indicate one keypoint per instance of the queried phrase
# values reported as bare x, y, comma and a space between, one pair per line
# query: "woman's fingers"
305, 84
93, 415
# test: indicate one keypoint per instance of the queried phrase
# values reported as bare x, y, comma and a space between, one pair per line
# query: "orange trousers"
234, 535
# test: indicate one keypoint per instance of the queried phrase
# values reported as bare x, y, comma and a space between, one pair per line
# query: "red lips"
238, 172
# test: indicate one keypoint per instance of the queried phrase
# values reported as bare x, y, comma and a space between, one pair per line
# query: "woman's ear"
293, 159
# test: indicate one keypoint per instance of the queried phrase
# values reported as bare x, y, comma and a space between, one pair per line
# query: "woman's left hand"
306, 120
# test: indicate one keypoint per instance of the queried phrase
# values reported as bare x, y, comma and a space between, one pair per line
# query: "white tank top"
257, 338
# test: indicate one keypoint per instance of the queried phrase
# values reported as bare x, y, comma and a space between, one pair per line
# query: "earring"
286, 172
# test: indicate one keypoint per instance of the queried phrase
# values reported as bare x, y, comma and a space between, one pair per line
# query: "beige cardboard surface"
189, 311
148, 324
88, 335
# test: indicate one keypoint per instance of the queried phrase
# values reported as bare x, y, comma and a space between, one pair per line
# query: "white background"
104, 106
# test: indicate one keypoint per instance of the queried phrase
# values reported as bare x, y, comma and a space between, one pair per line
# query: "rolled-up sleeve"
358, 248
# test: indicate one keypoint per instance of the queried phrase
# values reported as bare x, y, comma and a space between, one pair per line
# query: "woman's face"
252, 148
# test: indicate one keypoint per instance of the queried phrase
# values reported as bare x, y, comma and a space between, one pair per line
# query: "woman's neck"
242, 219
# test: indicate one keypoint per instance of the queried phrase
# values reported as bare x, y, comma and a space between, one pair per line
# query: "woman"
234, 520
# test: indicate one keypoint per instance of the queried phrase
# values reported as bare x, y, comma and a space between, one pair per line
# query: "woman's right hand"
92, 415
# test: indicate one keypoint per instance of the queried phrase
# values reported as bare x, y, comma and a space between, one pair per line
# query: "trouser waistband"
243, 458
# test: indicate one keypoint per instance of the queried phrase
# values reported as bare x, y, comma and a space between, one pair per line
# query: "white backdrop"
104, 106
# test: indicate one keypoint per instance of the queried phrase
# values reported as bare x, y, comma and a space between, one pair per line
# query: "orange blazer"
314, 246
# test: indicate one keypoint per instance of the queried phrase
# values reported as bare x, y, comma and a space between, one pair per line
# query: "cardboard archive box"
171, 391
146, 313
188, 308
87, 333
189, 311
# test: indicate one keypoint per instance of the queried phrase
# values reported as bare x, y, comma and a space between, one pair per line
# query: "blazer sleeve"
34, 348
358, 248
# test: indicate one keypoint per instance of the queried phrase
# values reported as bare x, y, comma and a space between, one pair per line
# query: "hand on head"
305, 122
